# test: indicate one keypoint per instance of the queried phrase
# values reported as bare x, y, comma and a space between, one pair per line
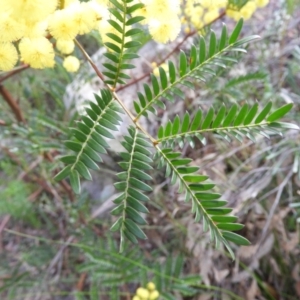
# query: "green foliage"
122, 47
137, 160
202, 62
238, 123
89, 139
206, 205
110, 270
102, 117
14, 202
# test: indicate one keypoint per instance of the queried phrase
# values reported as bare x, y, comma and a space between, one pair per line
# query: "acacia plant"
143, 151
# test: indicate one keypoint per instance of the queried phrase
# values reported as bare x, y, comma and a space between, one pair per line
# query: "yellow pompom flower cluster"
31, 25
162, 17
247, 10
150, 293
24, 21
31, 30
71, 63
203, 12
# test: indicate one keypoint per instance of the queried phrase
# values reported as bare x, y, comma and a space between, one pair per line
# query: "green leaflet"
132, 187
280, 112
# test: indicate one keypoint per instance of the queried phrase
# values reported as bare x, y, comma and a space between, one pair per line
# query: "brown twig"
4, 223
32, 197
81, 282
14, 72
12, 103
2, 227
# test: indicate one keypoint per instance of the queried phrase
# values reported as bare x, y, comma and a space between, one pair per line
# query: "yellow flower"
84, 17
234, 14
8, 56
153, 295
35, 10
100, 10
150, 286
196, 17
71, 63
62, 25
69, 2
65, 46
142, 293
210, 16
35, 29
136, 298
162, 9
247, 10
10, 30
261, 3
37, 52
143, 12
164, 31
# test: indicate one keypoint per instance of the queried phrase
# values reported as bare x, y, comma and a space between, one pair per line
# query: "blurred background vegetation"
55, 245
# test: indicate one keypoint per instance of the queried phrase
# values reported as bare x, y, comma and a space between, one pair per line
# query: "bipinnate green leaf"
204, 60
89, 139
136, 162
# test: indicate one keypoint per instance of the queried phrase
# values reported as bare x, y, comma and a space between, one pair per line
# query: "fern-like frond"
201, 63
89, 139
206, 204
136, 161
121, 46
235, 123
